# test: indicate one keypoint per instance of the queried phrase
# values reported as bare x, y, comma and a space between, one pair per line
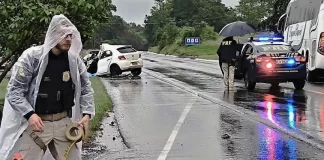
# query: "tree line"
24, 23
172, 19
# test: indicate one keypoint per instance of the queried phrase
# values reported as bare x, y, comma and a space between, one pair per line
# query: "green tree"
117, 31
159, 18
255, 11
192, 12
278, 9
24, 23
170, 16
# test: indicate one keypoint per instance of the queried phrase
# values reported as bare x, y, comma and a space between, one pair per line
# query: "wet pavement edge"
300, 135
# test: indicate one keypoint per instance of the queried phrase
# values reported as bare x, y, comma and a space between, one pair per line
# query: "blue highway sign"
192, 41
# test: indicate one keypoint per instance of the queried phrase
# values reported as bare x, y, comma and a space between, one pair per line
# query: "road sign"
189, 41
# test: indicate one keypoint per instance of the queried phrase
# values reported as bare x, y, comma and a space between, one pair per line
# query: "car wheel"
115, 70
299, 84
250, 85
310, 75
136, 72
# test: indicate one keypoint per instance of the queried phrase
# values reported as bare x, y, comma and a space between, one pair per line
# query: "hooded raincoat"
25, 81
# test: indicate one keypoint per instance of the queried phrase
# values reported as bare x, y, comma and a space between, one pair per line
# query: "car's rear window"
126, 49
274, 48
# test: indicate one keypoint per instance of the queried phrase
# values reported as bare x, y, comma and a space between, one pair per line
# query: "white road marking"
175, 131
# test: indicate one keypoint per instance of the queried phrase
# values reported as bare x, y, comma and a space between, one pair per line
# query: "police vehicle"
269, 60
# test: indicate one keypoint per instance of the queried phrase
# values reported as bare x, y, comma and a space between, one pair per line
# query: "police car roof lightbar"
268, 39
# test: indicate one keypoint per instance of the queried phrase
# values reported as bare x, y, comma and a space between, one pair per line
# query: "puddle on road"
193, 79
282, 106
150, 60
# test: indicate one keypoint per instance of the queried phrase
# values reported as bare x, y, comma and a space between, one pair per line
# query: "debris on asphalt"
225, 136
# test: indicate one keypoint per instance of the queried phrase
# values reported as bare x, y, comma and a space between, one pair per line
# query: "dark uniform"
56, 91
227, 56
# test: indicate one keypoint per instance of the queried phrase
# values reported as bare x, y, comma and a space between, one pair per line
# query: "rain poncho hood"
25, 79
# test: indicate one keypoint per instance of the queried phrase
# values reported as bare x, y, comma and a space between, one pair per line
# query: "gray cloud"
230, 2
135, 10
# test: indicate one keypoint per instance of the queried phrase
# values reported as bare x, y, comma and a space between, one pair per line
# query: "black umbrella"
237, 28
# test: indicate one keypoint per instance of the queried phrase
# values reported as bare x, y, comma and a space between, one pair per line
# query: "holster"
38, 141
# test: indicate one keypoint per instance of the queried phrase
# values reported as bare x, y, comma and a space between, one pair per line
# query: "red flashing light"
262, 59
269, 65
300, 59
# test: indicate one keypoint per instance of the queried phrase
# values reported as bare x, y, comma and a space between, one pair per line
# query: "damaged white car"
115, 59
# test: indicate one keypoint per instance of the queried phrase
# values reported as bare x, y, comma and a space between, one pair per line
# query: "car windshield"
126, 49
275, 48
94, 52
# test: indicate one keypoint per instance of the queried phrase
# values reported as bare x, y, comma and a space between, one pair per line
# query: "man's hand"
84, 122
36, 123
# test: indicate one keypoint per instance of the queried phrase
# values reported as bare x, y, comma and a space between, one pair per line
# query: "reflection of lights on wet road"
322, 118
292, 150
291, 101
272, 147
269, 145
291, 116
270, 112
271, 139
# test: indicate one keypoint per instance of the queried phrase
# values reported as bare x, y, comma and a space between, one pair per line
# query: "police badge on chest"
66, 76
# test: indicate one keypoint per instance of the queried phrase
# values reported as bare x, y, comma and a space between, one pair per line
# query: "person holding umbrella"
227, 57
228, 48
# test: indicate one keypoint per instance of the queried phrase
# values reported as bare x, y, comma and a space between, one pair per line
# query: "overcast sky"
135, 10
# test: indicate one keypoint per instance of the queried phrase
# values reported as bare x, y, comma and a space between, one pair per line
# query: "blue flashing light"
269, 39
277, 38
264, 39
291, 61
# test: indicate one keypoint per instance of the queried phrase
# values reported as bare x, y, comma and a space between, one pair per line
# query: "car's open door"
104, 62
239, 61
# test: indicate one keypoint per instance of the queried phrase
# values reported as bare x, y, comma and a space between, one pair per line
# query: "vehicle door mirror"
281, 23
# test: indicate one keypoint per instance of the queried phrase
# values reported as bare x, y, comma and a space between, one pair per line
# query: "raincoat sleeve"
18, 85
86, 97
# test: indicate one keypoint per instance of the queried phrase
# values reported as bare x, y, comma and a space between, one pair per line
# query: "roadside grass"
103, 104
154, 49
3, 90
206, 50
102, 101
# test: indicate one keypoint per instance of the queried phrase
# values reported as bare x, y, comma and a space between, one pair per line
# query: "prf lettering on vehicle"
226, 43
275, 48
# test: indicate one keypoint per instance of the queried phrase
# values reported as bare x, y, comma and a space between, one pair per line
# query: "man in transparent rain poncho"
49, 85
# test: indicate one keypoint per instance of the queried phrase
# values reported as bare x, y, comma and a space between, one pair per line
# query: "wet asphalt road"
158, 120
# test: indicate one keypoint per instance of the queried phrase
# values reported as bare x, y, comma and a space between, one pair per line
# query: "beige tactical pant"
53, 136
228, 75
